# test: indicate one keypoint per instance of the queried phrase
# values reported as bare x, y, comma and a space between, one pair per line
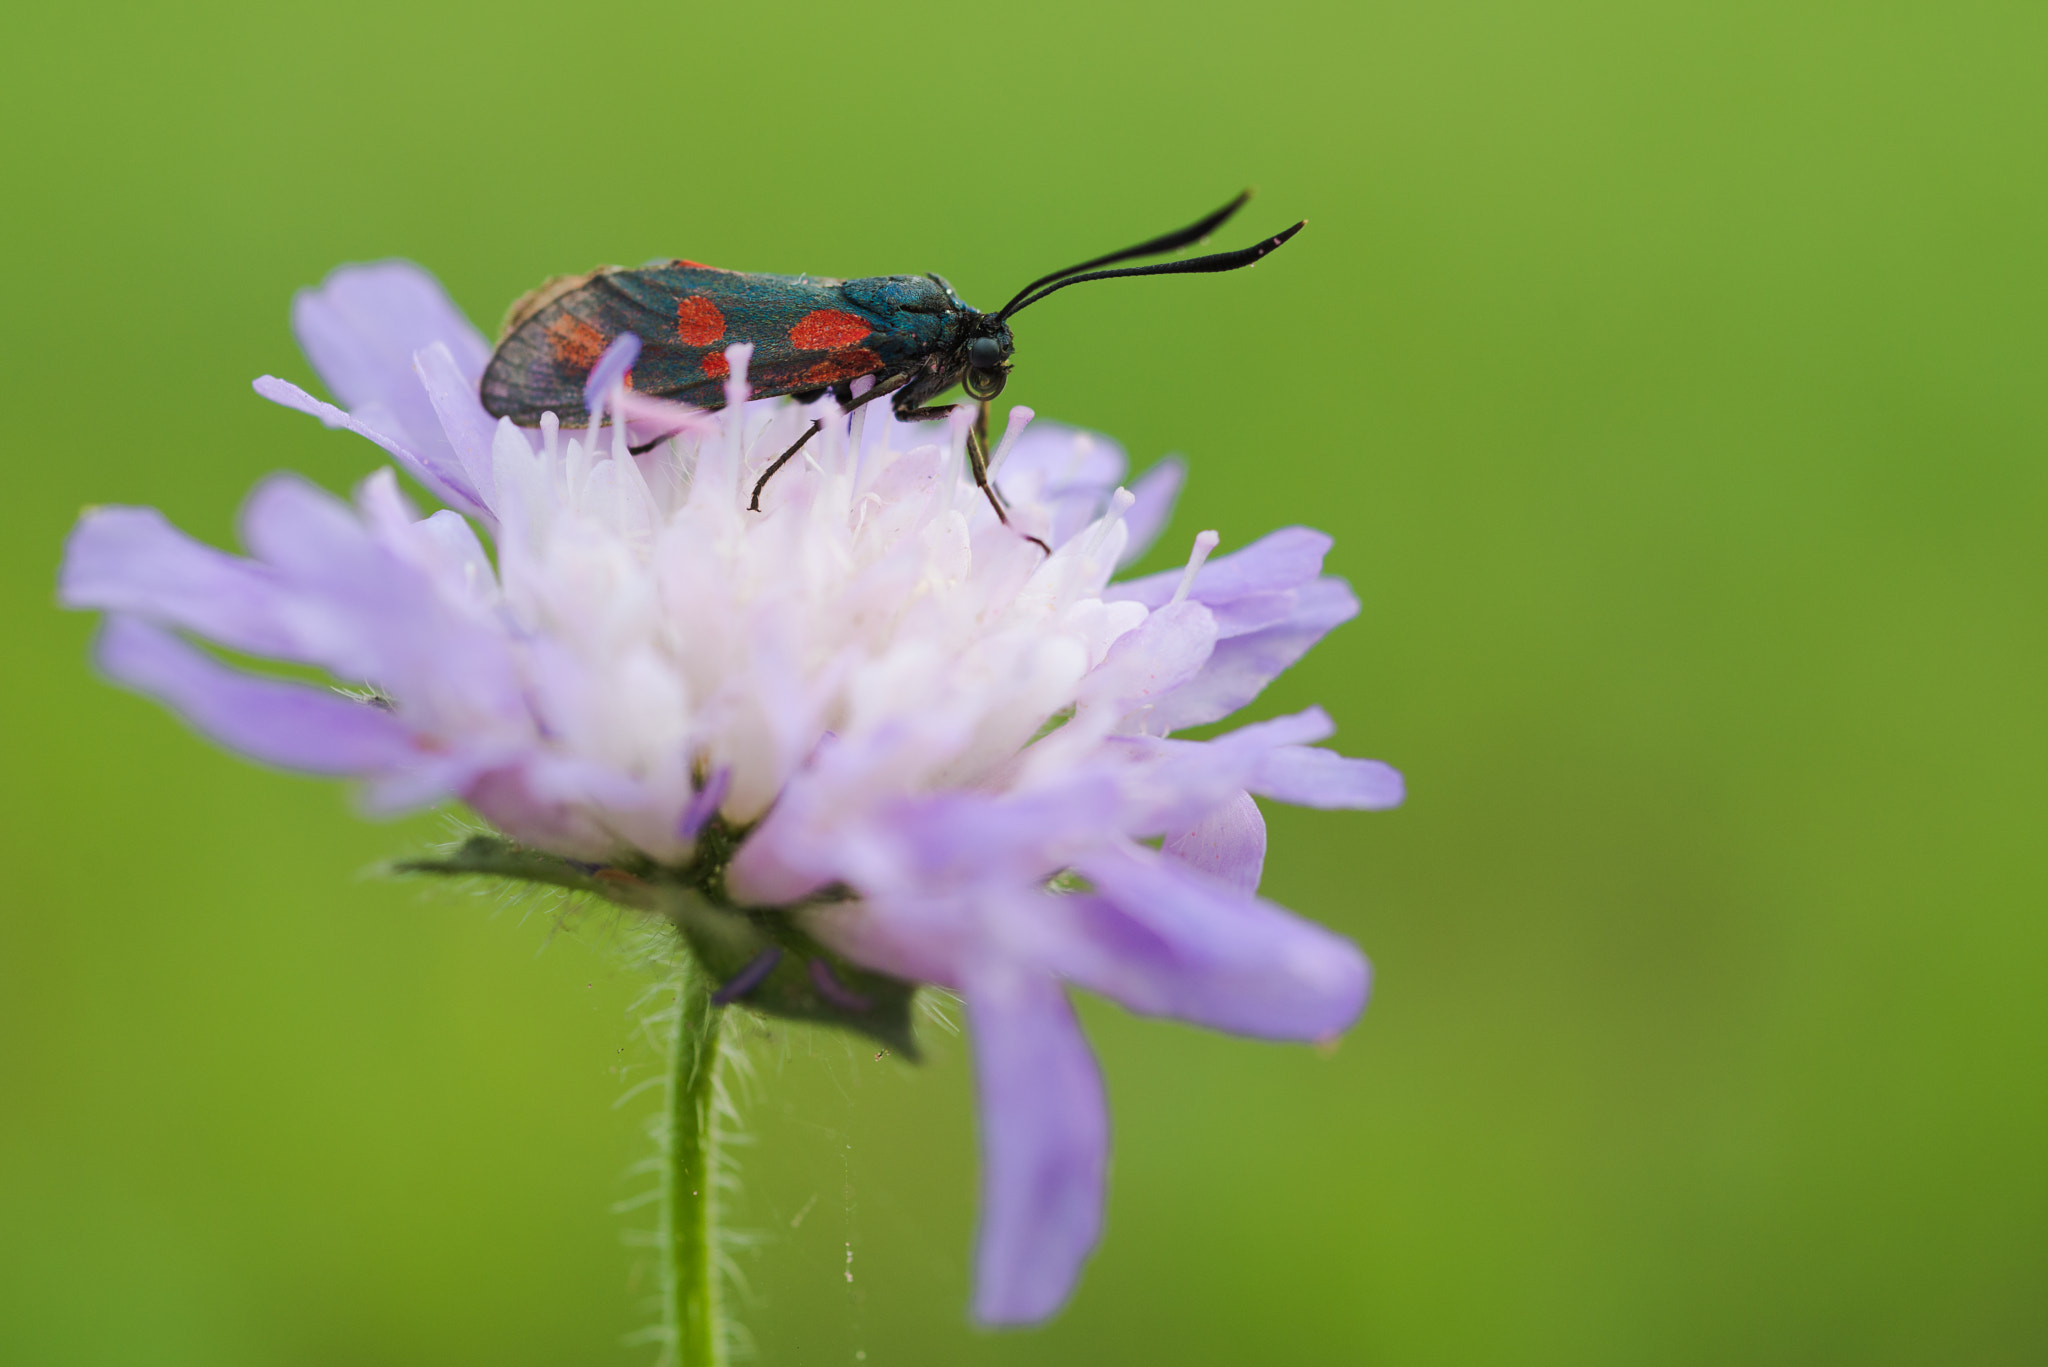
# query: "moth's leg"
977, 441
977, 455
817, 426
645, 447
977, 461
888, 386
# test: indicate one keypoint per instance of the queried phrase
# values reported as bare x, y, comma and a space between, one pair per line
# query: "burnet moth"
911, 332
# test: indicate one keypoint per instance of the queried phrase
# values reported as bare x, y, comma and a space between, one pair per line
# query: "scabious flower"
944, 753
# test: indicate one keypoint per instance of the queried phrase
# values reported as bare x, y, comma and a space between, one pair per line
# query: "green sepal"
725, 938
489, 856
728, 939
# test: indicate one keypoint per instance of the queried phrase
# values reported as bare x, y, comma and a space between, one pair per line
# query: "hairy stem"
689, 1205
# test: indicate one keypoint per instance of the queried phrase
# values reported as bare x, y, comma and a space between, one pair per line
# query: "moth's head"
986, 356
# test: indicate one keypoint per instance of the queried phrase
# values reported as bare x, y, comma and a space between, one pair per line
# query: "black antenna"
1194, 265
1194, 232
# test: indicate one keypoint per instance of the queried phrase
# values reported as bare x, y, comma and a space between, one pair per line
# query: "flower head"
947, 753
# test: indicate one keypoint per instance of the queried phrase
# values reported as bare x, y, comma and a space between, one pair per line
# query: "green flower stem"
689, 1204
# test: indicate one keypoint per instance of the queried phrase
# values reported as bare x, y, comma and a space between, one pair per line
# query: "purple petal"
1166, 651
611, 369
923, 941
455, 546
1240, 668
465, 428
365, 614
1070, 471
429, 778
1044, 1143
964, 838
511, 797
361, 328
299, 528
1309, 776
1286, 559
1229, 844
1170, 785
442, 475
314, 730
443, 546
913, 850
1063, 459
1246, 613
1165, 940
132, 560
1305, 727
1156, 491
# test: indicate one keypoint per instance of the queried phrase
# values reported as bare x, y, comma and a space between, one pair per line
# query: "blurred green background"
1671, 378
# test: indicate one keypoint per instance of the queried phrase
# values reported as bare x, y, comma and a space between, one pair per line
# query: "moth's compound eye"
984, 384
984, 353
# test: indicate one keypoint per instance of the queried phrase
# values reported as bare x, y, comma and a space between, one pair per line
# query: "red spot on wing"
828, 330
577, 345
844, 365
698, 321
694, 265
715, 365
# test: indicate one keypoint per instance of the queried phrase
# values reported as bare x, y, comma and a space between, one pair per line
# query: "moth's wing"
819, 341
806, 333
552, 338
881, 325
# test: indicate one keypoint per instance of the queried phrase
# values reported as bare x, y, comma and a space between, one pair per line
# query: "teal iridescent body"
808, 334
